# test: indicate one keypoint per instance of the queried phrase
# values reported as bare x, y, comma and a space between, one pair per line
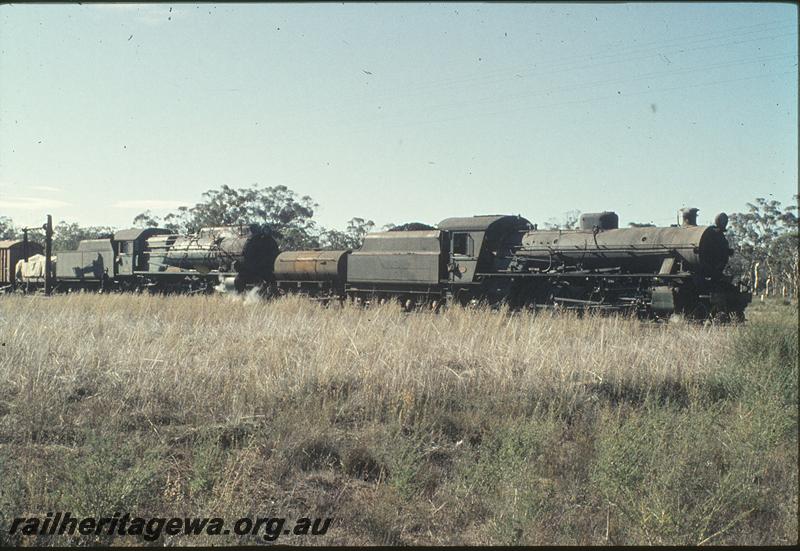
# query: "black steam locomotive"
161, 261
655, 272
494, 260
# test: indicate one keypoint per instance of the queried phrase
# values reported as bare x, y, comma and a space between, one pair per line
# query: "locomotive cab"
481, 244
479, 248
130, 246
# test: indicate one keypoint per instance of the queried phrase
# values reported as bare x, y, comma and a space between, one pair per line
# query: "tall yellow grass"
371, 415
220, 358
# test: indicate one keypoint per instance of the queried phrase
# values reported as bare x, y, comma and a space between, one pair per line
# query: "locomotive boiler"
238, 255
599, 243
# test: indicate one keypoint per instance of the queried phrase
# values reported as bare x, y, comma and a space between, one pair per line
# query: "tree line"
289, 217
765, 236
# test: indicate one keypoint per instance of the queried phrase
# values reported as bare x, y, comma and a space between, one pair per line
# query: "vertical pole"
755, 278
25, 243
48, 250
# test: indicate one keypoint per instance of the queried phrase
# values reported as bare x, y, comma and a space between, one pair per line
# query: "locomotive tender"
496, 259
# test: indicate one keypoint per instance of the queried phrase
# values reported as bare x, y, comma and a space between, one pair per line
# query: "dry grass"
462, 427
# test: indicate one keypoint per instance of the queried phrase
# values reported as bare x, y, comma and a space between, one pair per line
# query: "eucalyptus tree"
765, 239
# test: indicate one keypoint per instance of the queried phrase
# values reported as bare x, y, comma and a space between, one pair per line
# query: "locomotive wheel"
720, 317
699, 312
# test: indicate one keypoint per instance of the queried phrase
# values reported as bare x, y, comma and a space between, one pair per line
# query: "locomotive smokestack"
721, 221
688, 216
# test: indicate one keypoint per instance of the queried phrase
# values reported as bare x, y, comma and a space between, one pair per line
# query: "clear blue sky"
398, 112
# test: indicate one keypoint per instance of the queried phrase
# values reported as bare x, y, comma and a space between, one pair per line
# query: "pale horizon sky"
398, 112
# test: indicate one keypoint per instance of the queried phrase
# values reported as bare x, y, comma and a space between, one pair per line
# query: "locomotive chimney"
688, 216
721, 221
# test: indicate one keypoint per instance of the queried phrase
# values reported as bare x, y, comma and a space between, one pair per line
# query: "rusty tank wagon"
317, 272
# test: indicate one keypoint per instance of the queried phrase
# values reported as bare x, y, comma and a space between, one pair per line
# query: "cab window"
462, 244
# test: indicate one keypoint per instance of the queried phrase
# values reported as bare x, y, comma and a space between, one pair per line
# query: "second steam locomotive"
499, 259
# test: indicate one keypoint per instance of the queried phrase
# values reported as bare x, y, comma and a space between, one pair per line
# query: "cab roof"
483, 222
